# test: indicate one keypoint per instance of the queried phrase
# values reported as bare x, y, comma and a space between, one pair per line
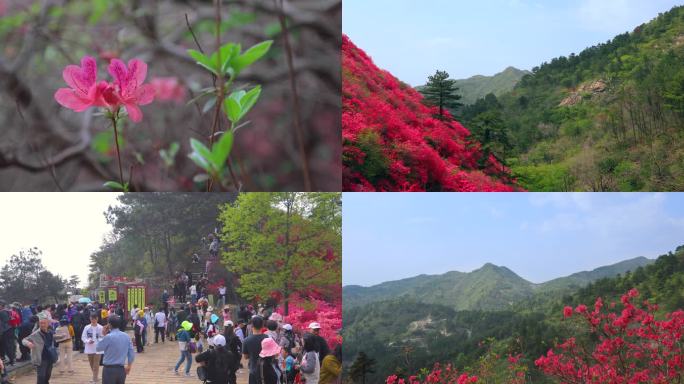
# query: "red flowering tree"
284, 245
392, 142
631, 345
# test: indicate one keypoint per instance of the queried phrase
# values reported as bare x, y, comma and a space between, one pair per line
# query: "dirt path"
155, 365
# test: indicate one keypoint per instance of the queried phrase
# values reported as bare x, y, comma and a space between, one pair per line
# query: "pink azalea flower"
84, 91
129, 88
168, 89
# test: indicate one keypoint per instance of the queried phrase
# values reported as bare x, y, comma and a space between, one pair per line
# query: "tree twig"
295, 99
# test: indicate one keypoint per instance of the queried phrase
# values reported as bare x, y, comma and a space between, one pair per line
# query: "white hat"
227, 323
314, 325
219, 340
210, 309
287, 327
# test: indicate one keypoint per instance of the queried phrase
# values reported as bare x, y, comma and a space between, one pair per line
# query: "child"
290, 370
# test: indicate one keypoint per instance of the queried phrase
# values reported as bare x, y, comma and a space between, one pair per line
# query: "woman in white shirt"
92, 334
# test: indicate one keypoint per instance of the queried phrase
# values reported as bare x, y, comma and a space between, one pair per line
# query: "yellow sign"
101, 296
136, 297
112, 295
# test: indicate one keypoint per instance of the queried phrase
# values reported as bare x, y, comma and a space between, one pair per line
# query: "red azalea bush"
392, 142
627, 346
445, 375
632, 346
328, 315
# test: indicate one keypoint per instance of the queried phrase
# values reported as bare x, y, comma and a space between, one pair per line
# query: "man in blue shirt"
116, 346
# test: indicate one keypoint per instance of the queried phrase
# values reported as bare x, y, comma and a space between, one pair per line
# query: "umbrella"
84, 300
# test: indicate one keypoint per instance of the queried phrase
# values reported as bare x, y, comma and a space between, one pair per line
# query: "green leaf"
251, 55
202, 60
115, 186
200, 148
232, 108
168, 155
222, 149
249, 99
228, 53
240, 102
200, 161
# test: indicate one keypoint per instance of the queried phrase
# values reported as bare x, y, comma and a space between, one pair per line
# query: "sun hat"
186, 325
214, 319
287, 327
314, 325
227, 323
219, 340
141, 313
269, 347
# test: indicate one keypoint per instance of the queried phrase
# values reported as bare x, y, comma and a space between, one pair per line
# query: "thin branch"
187, 22
295, 101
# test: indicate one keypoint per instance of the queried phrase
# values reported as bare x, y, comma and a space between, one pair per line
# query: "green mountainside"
404, 334
581, 279
609, 118
477, 87
488, 288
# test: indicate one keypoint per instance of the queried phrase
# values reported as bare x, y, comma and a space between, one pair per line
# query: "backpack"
15, 319
192, 347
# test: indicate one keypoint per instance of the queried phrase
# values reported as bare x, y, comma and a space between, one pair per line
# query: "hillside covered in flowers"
392, 142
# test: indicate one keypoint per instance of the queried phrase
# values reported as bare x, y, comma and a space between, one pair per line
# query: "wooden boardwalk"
153, 366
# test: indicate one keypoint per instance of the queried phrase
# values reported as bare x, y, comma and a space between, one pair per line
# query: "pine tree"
362, 366
442, 92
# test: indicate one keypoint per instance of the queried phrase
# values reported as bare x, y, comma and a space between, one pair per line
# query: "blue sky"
540, 236
413, 38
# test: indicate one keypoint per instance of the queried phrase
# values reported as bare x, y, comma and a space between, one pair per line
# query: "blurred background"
46, 147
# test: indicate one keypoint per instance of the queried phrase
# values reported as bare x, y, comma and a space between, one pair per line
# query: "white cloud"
606, 215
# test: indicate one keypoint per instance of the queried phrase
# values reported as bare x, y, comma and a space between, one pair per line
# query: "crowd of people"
216, 339
275, 352
219, 341
46, 335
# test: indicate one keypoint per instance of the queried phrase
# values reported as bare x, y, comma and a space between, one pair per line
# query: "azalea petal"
145, 94
67, 98
118, 70
133, 112
73, 77
89, 70
137, 71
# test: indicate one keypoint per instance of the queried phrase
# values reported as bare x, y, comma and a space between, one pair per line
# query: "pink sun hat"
269, 348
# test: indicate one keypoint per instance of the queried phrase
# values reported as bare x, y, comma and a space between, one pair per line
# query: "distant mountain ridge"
490, 287
479, 86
